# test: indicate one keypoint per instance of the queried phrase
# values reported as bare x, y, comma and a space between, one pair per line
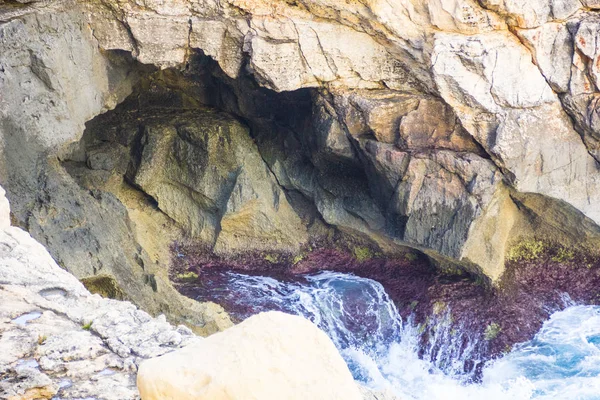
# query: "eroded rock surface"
206, 173
53, 79
495, 79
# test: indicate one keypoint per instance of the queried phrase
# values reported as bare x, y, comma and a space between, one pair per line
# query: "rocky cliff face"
455, 107
451, 126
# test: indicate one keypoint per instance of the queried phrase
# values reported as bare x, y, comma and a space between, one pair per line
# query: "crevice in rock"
586, 136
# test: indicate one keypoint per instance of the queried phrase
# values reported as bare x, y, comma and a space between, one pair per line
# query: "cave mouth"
233, 166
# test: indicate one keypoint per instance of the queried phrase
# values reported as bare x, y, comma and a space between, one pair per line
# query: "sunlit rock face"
451, 126
452, 104
271, 355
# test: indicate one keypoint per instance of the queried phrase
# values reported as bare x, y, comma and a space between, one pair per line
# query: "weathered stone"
552, 48
97, 229
491, 235
161, 39
456, 187
379, 111
205, 173
516, 137
108, 157
533, 13
488, 72
433, 125
58, 340
330, 142
357, 60
463, 16
222, 42
268, 356
584, 109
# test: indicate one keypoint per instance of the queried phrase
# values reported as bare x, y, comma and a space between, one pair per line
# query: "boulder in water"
271, 355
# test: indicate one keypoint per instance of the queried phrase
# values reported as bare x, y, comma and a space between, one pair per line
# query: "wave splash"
386, 353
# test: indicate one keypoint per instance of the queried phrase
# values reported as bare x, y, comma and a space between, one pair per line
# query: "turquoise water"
382, 350
562, 361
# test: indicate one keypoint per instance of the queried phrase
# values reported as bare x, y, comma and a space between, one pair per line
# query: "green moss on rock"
272, 258
187, 276
527, 250
564, 255
492, 331
298, 258
362, 253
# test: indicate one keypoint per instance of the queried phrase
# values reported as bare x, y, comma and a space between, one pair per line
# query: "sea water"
386, 353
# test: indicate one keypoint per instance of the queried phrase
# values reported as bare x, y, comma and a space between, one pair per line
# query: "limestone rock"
162, 38
489, 71
552, 47
456, 186
356, 60
58, 340
533, 13
222, 41
268, 356
377, 112
463, 16
433, 125
97, 227
519, 113
53, 79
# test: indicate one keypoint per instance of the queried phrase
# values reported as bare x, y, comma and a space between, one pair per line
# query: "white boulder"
268, 356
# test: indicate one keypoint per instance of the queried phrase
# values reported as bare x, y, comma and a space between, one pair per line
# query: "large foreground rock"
268, 356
